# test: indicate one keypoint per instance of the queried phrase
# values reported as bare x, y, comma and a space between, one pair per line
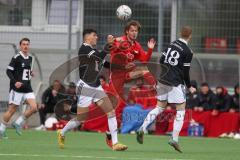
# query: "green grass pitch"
39, 145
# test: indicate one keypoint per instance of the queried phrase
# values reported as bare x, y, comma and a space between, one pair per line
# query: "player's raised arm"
151, 43
145, 56
112, 44
102, 54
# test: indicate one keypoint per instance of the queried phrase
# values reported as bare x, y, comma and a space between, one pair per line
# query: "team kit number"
26, 75
171, 57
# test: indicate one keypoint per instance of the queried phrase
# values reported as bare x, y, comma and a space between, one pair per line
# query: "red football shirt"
123, 52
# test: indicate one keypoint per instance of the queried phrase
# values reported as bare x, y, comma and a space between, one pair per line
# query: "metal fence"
215, 26
215, 23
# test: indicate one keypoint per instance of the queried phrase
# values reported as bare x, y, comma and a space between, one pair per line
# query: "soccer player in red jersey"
123, 52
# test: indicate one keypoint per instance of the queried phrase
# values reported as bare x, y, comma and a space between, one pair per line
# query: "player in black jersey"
19, 73
89, 89
171, 86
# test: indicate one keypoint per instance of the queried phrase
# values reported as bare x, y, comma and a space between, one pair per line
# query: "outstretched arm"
143, 56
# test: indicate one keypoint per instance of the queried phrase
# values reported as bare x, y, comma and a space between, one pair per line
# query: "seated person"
206, 99
71, 95
235, 100
142, 94
223, 100
192, 98
50, 98
141, 99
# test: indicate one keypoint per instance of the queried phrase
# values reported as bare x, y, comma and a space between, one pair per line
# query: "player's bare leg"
33, 107
177, 126
106, 105
73, 123
9, 113
149, 119
21, 119
82, 115
6, 118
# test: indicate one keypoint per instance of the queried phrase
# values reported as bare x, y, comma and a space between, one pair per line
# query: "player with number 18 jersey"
177, 58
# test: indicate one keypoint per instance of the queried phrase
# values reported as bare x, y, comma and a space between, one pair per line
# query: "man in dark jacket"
206, 99
192, 98
223, 99
50, 98
235, 99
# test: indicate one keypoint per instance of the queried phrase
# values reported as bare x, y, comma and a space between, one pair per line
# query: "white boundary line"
85, 157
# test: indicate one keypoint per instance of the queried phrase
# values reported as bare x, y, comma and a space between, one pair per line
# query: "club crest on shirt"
23, 65
130, 56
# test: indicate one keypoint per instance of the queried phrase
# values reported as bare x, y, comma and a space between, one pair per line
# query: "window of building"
57, 12
15, 12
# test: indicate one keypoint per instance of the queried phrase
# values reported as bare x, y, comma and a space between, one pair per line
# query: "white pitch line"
85, 157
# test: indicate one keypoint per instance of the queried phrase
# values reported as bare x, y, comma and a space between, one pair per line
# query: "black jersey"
90, 64
19, 70
177, 58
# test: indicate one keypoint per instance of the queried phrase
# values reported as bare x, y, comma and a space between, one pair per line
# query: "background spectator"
206, 98
141, 99
71, 95
223, 99
192, 98
71, 92
50, 98
235, 99
142, 94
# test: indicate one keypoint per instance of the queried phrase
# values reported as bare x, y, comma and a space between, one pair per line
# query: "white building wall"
43, 40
